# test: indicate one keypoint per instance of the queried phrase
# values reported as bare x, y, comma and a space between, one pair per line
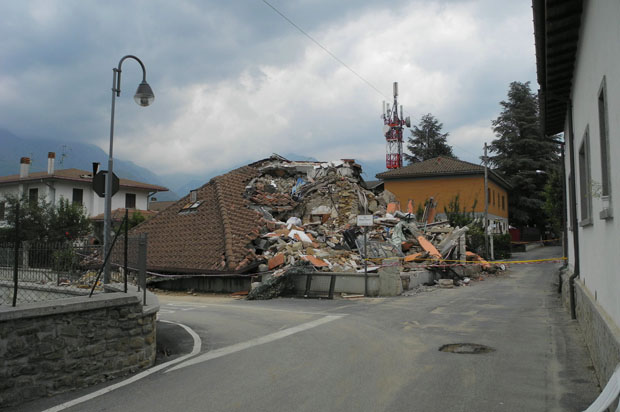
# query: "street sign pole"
107, 210
365, 262
365, 221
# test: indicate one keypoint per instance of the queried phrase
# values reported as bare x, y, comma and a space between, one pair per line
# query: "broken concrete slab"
390, 283
280, 283
446, 283
415, 278
451, 240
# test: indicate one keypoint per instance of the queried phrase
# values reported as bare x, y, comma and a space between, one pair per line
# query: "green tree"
42, 221
523, 155
554, 199
427, 141
34, 217
458, 216
67, 221
134, 220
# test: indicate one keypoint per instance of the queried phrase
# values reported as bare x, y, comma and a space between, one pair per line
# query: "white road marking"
195, 351
184, 304
255, 342
248, 307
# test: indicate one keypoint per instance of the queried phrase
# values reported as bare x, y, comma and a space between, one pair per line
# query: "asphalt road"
370, 354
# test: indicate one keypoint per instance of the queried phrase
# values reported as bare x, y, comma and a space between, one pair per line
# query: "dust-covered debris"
308, 212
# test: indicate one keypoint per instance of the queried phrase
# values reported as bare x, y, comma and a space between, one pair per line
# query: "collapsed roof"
212, 229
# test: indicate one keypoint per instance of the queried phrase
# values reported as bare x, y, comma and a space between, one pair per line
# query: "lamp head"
144, 95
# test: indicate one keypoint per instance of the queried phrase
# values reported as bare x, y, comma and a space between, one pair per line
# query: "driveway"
375, 354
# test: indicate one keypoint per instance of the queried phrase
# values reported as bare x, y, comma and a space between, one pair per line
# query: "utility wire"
325, 49
338, 59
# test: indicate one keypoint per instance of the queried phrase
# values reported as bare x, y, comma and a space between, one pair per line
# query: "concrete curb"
67, 305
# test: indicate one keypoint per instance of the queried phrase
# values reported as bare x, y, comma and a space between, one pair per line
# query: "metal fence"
37, 271
31, 271
128, 261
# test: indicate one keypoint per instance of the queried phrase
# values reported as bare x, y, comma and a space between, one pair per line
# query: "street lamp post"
144, 96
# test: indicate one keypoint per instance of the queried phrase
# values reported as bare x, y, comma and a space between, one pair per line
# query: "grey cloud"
56, 69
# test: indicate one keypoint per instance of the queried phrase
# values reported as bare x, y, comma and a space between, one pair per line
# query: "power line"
338, 59
324, 48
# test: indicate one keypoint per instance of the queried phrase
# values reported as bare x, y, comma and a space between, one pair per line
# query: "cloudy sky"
234, 81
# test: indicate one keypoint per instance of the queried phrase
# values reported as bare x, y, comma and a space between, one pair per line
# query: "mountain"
371, 167
81, 155
69, 155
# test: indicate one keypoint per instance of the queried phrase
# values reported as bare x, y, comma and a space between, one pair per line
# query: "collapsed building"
256, 222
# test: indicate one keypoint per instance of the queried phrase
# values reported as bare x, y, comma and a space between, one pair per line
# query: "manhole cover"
471, 348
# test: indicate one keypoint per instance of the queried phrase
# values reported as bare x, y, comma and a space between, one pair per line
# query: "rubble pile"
309, 211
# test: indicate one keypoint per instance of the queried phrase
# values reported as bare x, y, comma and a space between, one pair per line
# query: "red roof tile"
212, 238
77, 175
440, 166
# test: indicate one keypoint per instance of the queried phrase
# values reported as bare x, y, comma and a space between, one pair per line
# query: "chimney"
50, 163
95, 168
24, 167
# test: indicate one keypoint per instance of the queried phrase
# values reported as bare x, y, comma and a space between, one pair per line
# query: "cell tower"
393, 131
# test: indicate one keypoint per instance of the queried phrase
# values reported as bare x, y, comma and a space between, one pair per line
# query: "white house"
74, 185
578, 65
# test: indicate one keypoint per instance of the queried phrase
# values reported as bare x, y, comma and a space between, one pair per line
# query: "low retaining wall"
388, 282
215, 284
52, 347
352, 283
601, 335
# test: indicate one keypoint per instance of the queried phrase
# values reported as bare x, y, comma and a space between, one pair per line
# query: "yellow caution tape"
448, 262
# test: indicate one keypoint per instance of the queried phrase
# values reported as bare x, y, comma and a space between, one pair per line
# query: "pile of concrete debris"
310, 211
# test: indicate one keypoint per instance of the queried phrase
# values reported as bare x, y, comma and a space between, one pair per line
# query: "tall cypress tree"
427, 141
523, 154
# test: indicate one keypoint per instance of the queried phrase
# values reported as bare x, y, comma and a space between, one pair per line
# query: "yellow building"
443, 179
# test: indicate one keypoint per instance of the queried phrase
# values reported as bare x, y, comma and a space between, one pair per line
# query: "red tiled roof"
211, 238
77, 175
158, 206
440, 166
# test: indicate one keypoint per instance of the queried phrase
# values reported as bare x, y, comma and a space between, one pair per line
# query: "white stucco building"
578, 65
74, 185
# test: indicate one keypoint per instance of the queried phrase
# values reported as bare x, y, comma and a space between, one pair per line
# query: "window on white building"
130, 200
78, 196
33, 195
605, 164
585, 180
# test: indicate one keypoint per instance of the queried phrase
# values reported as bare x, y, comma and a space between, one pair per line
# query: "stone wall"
53, 347
601, 335
564, 275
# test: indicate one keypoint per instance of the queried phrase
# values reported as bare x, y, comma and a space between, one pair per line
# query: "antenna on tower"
393, 132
